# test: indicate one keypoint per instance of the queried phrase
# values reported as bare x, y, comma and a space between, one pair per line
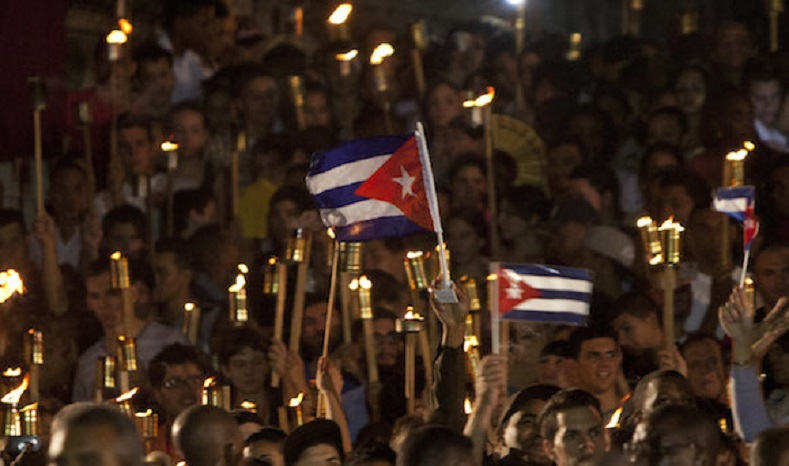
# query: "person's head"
444, 104
771, 272
435, 446
255, 99
598, 185
68, 193
598, 356
518, 426
265, 447
466, 236
706, 374
594, 128
703, 235
572, 428
680, 193
385, 255
135, 145
778, 187
176, 376
271, 156
551, 369
249, 423
374, 454
316, 442
14, 251
401, 430
206, 436
563, 157
468, 183
189, 129
771, 447
192, 210
690, 87
172, 265
314, 325
91, 433
677, 435
733, 46
285, 207
388, 344
100, 297
155, 76
188, 21
764, 87
317, 107
242, 358
214, 253
521, 208
124, 229
636, 323
659, 158
661, 388
573, 218
727, 120
667, 125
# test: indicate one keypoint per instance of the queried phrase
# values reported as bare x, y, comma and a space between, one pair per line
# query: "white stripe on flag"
345, 174
557, 283
739, 204
553, 305
359, 212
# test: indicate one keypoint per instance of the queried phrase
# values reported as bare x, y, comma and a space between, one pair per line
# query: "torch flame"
330, 233
272, 261
296, 401
125, 25
144, 414
482, 100
737, 156
189, 307
116, 256
470, 342
749, 146
169, 146
347, 56
382, 51
12, 372
341, 13
208, 382
413, 254
409, 315
644, 222
467, 408
12, 397
10, 283
243, 268
670, 224
116, 37
492, 277
127, 396
354, 285
30, 407
239, 285
248, 405
614, 422
365, 282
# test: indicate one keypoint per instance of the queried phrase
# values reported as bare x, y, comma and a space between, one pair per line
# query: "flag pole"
444, 293
745, 259
493, 305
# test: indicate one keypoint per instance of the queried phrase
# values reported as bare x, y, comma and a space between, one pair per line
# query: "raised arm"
52, 278
329, 382
490, 390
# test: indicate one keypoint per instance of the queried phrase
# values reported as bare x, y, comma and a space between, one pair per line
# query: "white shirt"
771, 136
188, 70
103, 200
69, 251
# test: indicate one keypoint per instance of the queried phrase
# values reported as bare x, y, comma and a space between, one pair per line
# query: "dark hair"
141, 271
235, 340
185, 106
124, 214
671, 112
298, 196
636, 304
205, 243
698, 337
65, 164
542, 392
128, 448
464, 161
372, 453
12, 216
317, 432
473, 219
267, 434
245, 73
671, 376
150, 51
178, 248
242, 416
130, 120
98, 267
183, 9
562, 401
769, 446
655, 148
430, 444
187, 200
692, 424
697, 188
600, 176
559, 348
593, 331
173, 354
527, 201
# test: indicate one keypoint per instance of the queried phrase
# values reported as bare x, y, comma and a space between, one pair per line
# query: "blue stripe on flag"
546, 317
735, 193
561, 294
381, 227
354, 150
339, 196
549, 271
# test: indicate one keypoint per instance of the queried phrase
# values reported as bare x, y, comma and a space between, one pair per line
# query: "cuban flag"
739, 203
372, 188
543, 293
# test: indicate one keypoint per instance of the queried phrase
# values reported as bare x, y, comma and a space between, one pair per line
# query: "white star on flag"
406, 181
514, 292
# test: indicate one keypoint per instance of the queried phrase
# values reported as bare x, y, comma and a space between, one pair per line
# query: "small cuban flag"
543, 293
739, 203
373, 188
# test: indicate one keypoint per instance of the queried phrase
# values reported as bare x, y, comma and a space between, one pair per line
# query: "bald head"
203, 434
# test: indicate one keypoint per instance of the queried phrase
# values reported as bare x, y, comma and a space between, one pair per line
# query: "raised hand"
452, 316
736, 316
771, 328
490, 384
44, 229
329, 378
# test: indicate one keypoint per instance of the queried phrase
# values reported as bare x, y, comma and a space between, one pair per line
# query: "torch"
298, 252
239, 315
38, 96
419, 36
127, 350
124, 402
345, 61
574, 53
115, 40
776, 8
147, 423
411, 324
350, 267
10, 284
733, 176
338, 23
417, 282
191, 322
84, 122
170, 149
670, 233
381, 82
275, 278
215, 394
12, 425
297, 95
475, 306
34, 354
295, 406
106, 367
241, 147
520, 38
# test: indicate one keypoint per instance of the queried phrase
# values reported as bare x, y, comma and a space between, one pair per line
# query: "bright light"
347, 56
116, 37
382, 51
10, 283
341, 13
12, 397
169, 146
644, 222
125, 25
482, 100
295, 401
516, 2
365, 282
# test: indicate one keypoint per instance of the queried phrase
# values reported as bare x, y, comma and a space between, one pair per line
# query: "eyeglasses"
179, 382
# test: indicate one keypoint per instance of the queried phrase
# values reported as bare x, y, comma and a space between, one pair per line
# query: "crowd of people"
583, 139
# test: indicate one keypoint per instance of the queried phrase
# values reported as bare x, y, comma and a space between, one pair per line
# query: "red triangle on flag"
399, 181
513, 291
